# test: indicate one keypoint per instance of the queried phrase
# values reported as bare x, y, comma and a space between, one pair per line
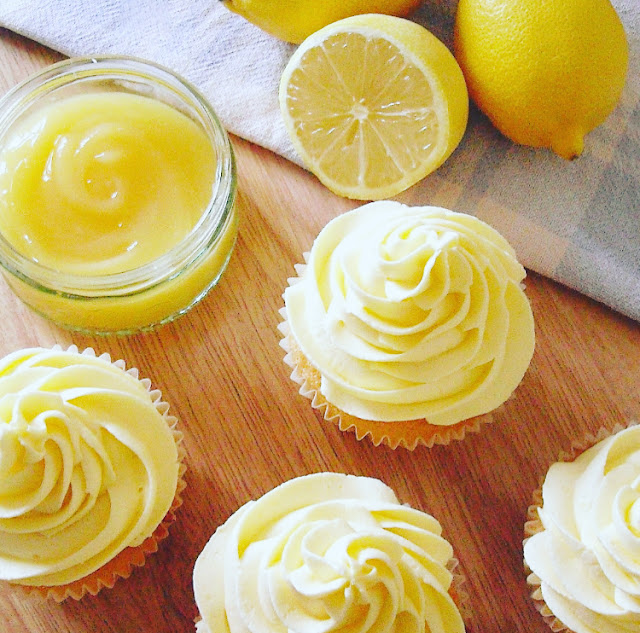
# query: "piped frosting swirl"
88, 463
587, 557
326, 553
412, 313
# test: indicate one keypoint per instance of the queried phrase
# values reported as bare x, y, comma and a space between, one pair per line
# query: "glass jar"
160, 289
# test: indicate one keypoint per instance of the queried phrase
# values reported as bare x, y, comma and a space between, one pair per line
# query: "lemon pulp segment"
368, 128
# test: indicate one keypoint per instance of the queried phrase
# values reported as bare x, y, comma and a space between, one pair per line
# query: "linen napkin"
575, 222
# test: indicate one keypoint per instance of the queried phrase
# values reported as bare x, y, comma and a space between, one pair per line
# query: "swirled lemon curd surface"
327, 553
103, 182
587, 557
412, 313
88, 465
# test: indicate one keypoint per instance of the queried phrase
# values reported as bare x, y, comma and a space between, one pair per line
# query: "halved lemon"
373, 104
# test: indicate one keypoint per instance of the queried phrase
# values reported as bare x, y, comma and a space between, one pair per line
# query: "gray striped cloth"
575, 222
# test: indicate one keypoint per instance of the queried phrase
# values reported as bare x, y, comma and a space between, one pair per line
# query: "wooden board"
247, 429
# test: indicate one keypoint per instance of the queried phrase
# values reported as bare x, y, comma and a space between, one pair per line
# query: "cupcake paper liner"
122, 565
458, 591
408, 434
533, 525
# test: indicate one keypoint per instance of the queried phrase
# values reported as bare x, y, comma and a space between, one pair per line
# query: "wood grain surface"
247, 429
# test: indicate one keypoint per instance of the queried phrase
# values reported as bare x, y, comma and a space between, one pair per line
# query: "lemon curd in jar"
103, 183
105, 198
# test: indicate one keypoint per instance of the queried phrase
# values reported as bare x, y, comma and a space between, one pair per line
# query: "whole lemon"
546, 72
294, 20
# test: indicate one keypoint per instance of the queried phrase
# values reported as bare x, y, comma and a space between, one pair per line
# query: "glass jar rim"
213, 221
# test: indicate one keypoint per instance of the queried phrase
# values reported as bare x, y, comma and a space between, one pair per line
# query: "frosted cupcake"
90, 471
583, 537
408, 324
327, 552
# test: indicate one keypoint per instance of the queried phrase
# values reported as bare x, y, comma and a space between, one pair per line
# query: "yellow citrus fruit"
546, 72
295, 20
373, 104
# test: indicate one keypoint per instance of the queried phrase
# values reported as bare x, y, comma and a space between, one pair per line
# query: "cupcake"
327, 552
582, 545
90, 471
408, 325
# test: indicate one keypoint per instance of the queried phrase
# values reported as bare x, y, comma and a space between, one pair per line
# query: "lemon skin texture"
294, 20
545, 72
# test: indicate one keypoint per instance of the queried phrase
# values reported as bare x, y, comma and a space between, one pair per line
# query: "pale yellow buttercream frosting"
327, 553
88, 463
586, 559
412, 313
